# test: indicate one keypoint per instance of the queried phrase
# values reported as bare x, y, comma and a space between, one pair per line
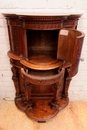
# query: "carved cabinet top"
43, 21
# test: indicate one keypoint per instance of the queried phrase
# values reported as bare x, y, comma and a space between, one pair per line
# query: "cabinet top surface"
43, 14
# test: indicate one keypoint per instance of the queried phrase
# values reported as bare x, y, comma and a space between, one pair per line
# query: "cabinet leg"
15, 79
66, 88
29, 102
54, 103
67, 83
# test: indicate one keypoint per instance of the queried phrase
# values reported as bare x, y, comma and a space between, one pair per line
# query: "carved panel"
45, 26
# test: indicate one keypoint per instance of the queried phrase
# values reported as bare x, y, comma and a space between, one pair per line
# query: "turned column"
57, 90
56, 94
28, 95
27, 91
15, 79
66, 83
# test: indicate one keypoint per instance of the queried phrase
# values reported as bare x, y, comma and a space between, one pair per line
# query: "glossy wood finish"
44, 54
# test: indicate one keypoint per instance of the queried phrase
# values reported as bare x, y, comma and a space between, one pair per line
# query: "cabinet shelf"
13, 56
42, 62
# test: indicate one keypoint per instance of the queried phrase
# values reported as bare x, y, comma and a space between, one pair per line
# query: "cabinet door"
69, 48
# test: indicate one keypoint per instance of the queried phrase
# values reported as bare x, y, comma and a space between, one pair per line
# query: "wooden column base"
42, 110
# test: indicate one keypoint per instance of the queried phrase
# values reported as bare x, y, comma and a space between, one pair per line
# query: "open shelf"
42, 62
13, 56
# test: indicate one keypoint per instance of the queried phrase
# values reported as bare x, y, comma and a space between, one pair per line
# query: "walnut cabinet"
44, 53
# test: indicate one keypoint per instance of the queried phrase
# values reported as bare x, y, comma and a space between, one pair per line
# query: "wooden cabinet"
44, 54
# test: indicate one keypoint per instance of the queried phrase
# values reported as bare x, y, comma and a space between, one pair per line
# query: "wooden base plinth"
63, 103
42, 110
21, 103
